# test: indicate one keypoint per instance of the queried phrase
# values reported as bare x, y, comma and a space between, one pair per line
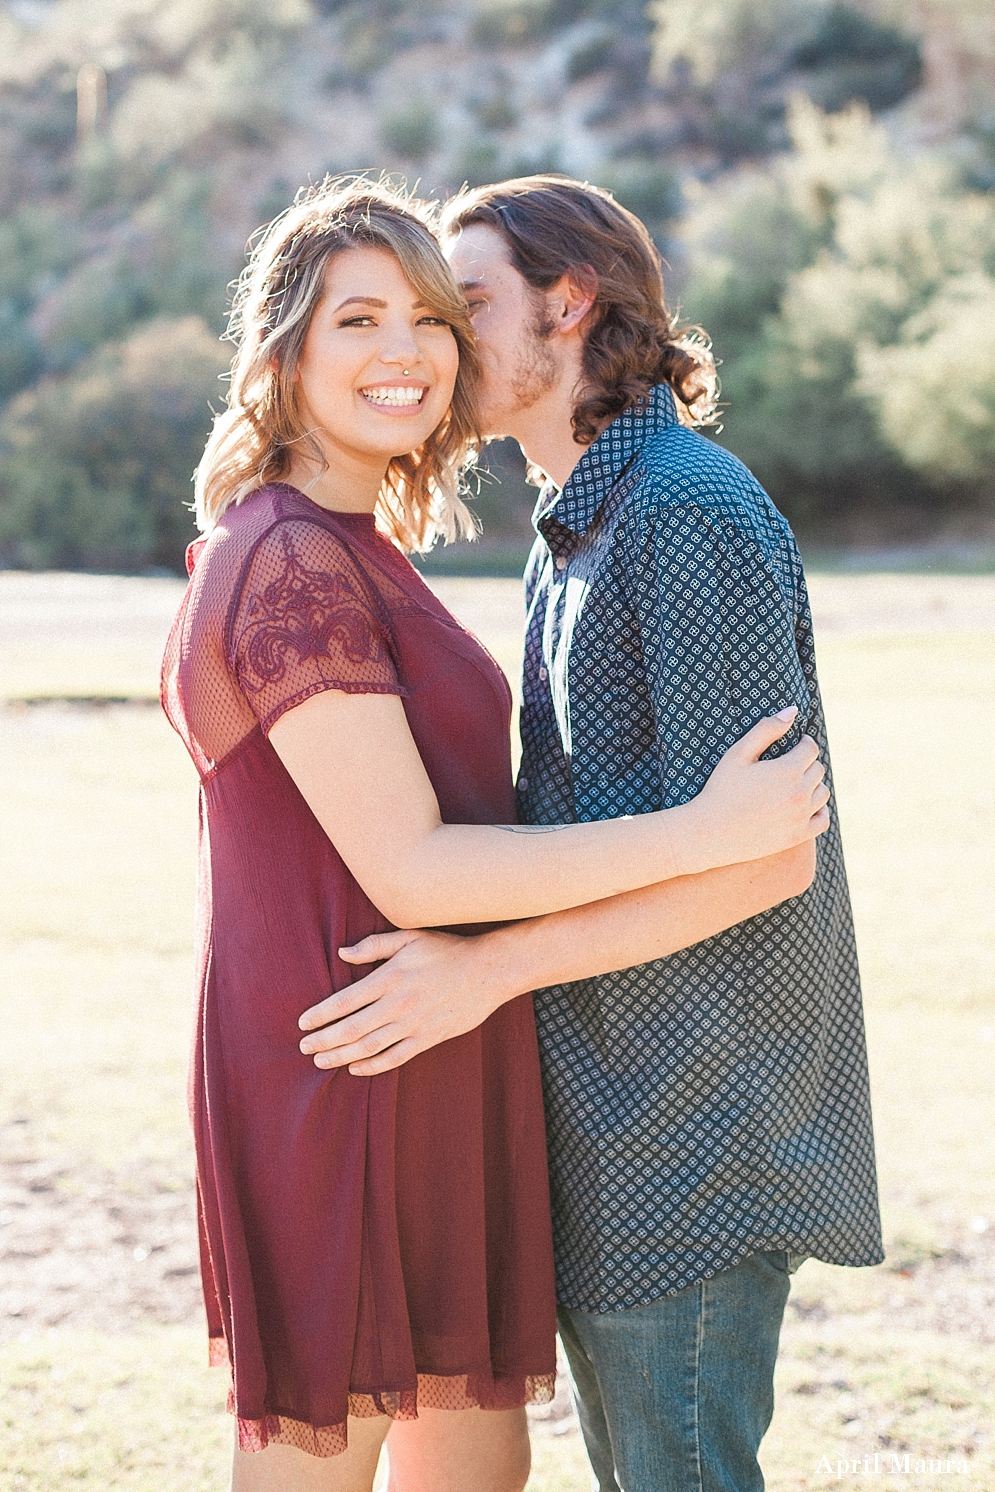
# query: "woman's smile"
395, 398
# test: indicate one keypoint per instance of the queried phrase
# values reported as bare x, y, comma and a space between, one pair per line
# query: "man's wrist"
503, 963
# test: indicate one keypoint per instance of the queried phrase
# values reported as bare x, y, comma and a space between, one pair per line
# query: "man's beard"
536, 369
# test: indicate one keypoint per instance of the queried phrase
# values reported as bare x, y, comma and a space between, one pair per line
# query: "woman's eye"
473, 306
432, 321
357, 321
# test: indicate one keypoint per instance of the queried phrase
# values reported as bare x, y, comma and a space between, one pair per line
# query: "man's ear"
572, 297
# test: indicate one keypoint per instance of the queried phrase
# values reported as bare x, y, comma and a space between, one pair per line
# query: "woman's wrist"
689, 841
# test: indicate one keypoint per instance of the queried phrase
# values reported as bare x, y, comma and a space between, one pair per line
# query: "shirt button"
543, 675
561, 563
523, 783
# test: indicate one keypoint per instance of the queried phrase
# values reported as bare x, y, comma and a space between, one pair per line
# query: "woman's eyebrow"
363, 300
371, 300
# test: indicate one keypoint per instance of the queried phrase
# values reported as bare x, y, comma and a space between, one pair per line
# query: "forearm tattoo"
530, 828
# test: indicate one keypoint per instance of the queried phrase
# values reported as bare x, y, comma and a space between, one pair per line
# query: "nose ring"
406, 373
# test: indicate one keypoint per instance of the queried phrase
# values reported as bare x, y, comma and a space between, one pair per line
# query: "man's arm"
718, 642
652, 923
717, 636
435, 986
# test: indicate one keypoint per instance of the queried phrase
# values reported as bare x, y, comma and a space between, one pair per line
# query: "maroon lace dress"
368, 1245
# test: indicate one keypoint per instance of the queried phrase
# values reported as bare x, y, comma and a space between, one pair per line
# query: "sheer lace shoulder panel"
307, 617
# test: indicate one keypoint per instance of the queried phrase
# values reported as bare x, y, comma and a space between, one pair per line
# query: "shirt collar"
604, 461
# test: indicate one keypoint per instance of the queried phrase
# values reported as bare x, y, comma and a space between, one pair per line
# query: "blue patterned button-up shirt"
713, 1104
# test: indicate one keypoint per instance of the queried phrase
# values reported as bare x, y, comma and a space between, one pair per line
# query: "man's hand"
435, 986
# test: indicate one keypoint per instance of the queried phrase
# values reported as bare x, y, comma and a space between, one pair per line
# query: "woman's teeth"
397, 397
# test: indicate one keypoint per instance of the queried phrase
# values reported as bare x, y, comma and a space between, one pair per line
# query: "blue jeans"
676, 1396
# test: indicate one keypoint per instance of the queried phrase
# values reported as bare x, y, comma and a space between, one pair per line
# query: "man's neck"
545, 432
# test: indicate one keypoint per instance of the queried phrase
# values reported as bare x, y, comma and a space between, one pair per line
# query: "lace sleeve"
308, 618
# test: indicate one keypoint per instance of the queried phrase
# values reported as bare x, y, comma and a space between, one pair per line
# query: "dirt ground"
54, 604
113, 1248
112, 1251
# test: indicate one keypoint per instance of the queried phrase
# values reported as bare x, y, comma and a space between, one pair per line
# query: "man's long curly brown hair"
555, 226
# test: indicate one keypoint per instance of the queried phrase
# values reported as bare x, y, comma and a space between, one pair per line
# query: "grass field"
101, 1349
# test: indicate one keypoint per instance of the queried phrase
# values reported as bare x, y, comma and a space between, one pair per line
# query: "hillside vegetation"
820, 176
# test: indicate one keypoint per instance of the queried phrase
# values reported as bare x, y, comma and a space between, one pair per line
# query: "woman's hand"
750, 808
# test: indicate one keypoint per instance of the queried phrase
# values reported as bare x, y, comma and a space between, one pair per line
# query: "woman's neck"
345, 484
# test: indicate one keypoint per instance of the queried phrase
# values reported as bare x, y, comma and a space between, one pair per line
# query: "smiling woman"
346, 306
375, 377
375, 1250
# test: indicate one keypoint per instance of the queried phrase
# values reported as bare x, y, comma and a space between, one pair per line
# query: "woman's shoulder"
274, 522
278, 538
251, 518
265, 540
238, 529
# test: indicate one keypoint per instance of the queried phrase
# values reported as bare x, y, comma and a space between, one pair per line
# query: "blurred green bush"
646, 187
496, 111
739, 60
591, 56
850, 56
851, 293
514, 23
412, 131
844, 271
93, 465
475, 163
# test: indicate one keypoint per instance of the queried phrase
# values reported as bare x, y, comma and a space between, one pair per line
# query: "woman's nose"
401, 348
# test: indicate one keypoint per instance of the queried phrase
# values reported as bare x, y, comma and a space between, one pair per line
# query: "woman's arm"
436, 986
354, 760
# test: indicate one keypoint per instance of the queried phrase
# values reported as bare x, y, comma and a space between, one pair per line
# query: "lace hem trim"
323, 686
463, 1391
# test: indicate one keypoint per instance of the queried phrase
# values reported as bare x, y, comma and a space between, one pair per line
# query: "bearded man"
708, 1115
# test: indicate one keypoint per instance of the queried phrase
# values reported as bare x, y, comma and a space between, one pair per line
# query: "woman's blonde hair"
253, 439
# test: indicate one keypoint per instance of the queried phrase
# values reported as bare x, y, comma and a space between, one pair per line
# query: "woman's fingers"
803, 753
763, 735
812, 783
815, 773
813, 786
